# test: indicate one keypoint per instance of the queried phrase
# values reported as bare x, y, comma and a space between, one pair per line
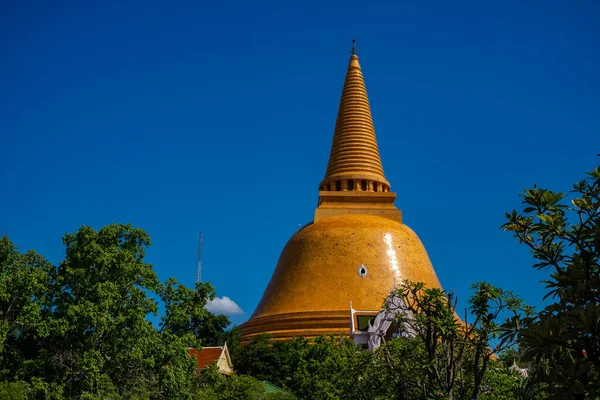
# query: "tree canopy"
563, 340
81, 329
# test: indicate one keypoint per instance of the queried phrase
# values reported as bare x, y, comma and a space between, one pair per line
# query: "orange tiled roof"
206, 356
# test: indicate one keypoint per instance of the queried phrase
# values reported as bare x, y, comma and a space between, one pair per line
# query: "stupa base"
307, 324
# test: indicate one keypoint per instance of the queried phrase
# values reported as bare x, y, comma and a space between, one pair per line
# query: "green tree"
456, 354
564, 238
186, 313
442, 358
259, 359
398, 371
26, 296
213, 386
102, 307
322, 368
240, 387
81, 330
13, 391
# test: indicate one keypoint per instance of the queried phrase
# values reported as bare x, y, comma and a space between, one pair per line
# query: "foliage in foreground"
563, 340
214, 386
445, 359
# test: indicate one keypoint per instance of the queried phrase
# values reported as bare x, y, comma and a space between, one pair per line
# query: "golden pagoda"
356, 247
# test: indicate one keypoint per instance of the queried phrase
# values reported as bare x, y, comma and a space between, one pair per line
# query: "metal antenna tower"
199, 270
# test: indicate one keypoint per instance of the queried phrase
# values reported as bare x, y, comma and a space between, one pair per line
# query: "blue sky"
218, 116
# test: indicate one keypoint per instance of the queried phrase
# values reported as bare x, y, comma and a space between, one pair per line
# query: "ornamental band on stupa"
356, 247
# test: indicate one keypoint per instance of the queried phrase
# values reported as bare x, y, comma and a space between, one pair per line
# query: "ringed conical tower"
357, 245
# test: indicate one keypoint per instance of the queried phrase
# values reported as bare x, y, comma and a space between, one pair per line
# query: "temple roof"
354, 153
206, 356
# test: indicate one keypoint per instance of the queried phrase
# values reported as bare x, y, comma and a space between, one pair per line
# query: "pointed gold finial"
354, 161
354, 182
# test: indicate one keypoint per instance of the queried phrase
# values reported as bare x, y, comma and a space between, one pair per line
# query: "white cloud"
223, 305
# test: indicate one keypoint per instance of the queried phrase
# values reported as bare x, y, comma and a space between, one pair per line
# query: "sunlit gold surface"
316, 276
354, 152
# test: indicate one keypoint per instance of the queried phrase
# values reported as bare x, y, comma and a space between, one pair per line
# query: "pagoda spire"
354, 182
354, 161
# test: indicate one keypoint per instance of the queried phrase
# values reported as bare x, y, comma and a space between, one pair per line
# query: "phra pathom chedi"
333, 273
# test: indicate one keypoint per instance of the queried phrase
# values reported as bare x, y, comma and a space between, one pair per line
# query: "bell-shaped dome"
329, 264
